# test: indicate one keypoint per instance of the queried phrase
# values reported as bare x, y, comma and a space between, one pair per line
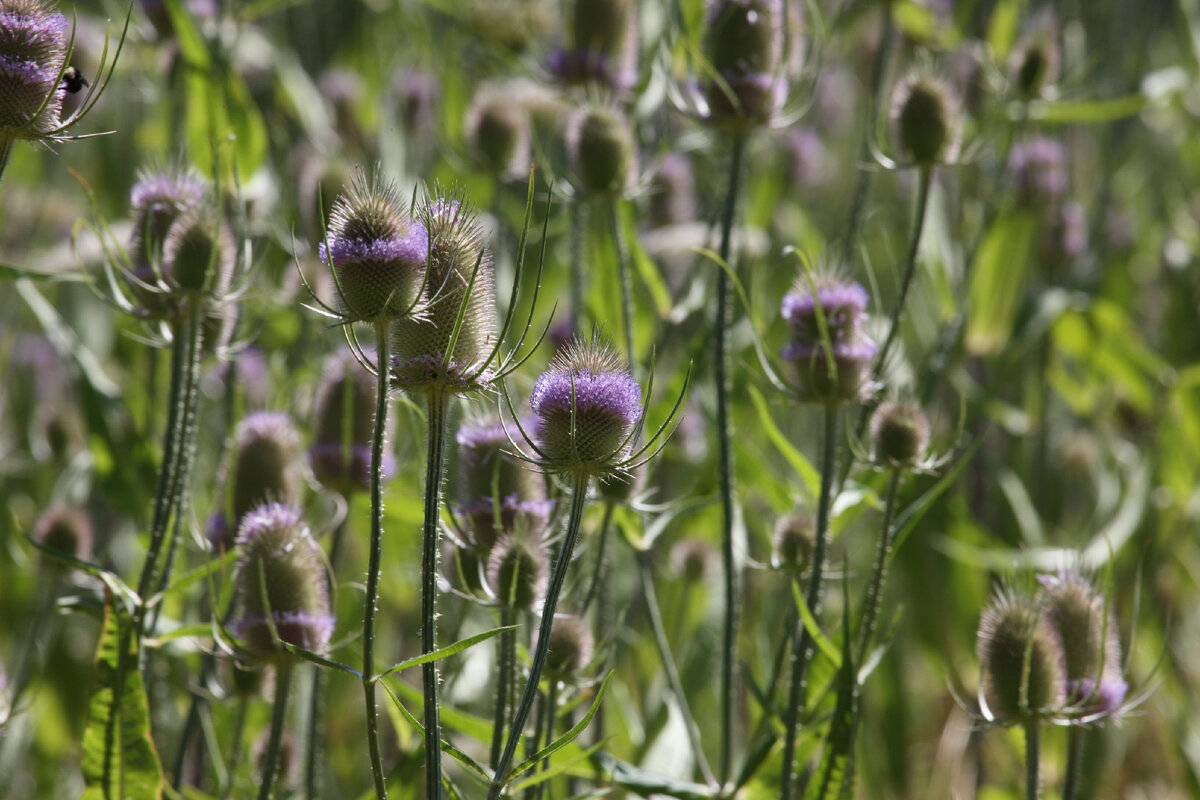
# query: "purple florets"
843, 307
350, 251
267, 518
33, 50
157, 192
589, 66
1097, 701
848, 300
613, 394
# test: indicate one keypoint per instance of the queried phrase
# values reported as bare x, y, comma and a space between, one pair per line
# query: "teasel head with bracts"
266, 466
828, 354
601, 46
747, 46
344, 421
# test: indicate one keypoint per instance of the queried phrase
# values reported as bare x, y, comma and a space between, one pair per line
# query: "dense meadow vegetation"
679, 398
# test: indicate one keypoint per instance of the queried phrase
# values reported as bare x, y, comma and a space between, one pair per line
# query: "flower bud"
925, 114
280, 572
199, 252
603, 45
808, 352
692, 559
497, 132
1034, 62
899, 433
1090, 643
67, 530
570, 650
744, 45
793, 541
1020, 660
157, 200
34, 39
497, 493
601, 150
267, 465
459, 281
516, 571
376, 251
586, 404
344, 424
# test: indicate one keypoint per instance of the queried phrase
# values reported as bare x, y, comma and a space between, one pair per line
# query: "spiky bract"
344, 421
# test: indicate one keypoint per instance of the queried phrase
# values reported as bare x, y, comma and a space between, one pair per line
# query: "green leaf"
1084, 112
119, 759
559, 767
566, 738
806, 471
910, 516
836, 763
998, 282
444, 652
828, 648
9, 272
1003, 26
319, 660
476, 770
646, 784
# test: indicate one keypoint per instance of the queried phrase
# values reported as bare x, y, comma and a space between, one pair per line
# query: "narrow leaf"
445, 652
828, 648
566, 738
473, 767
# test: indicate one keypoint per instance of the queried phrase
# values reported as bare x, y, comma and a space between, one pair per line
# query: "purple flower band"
842, 351
613, 393
534, 508
411, 249
799, 305
266, 518
299, 628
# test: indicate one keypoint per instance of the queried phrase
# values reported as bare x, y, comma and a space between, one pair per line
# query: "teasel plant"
36, 46
436, 338
589, 413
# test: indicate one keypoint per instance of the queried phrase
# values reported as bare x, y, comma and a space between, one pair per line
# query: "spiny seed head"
587, 404
603, 45
459, 281
1012, 629
279, 562
601, 149
1091, 647
692, 559
157, 199
376, 250
33, 49
672, 191
67, 530
497, 493
199, 252
793, 541
571, 644
899, 433
464, 566
497, 132
516, 571
744, 45
267, 462
925, 113
1034, 63
340, 455
808, 352
1037, 172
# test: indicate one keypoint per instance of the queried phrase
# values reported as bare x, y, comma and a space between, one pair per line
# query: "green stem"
614, 217
1075, 734
505, 663
650, 598
283, 679
368, 670
574, 523
879, 572
235, 751
550, 712
430, 546
6, 146
1032, 753
725, 455
803, 650
316, 728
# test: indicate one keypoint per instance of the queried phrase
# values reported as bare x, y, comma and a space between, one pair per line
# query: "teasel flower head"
36, 43
745, 45
280, 584
926, 118
1090, 641
571, 645
267, 462
498, 493
1037, 172
1034, 63
672, 191
498, 133
376, 251
601, 150
199, 253
159, 197
828, 351
67, 531
693, 559
793, 541
517, 571
899, 433
1021, 662
415, 91
344, 422
452, 345
602, 48
587, 406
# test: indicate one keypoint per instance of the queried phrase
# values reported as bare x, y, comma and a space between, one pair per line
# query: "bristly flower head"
199, 253
793, 541
600, 149
828, 349
376, 250
587, 404
340, 455
1034, 62
925, 113
160, 196
571, 644
517, 571
1090, 640
498, 494
67, 530
899, 433
280, 564
745, 47
459, 285
602, 46
497, 132
34, 39
1020, 660
267, 462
